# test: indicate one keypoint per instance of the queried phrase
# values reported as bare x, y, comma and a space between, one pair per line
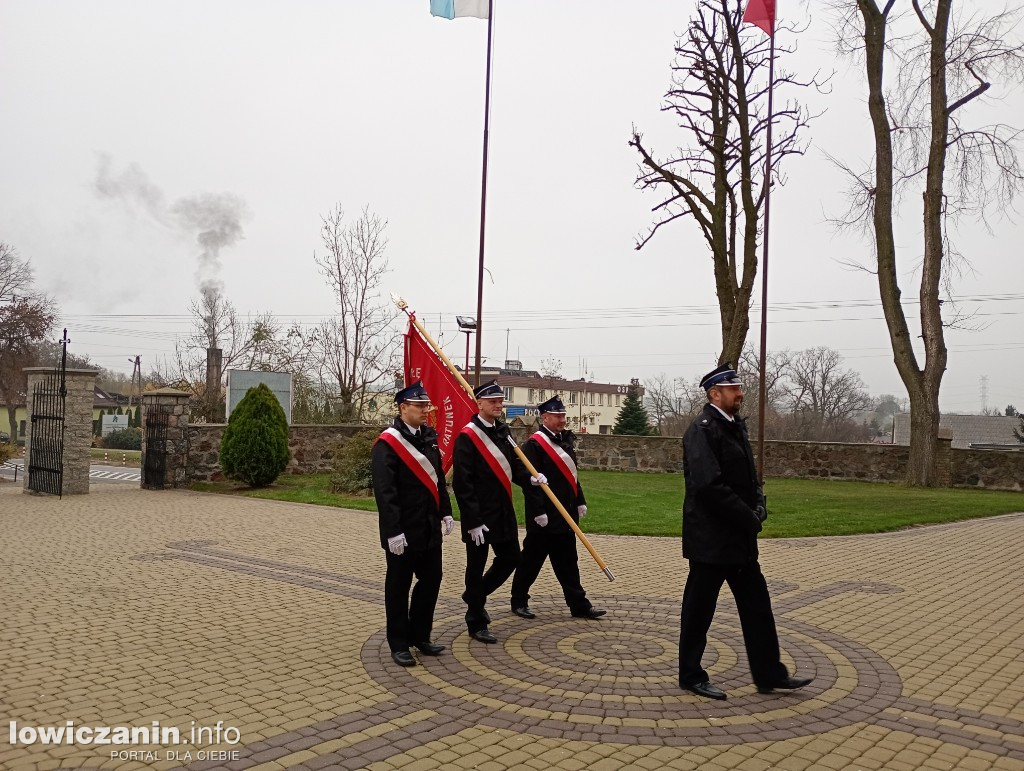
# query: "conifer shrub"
254, 449
633, 418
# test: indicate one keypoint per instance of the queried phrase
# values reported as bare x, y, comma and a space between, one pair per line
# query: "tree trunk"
12, 412
925, 430
924, 433
922, 385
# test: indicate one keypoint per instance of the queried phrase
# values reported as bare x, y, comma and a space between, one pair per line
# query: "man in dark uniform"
485, 470
551, 452
722, 514
413, 506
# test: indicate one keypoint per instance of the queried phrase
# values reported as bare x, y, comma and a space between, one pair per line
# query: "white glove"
448, 523
538, 480
477, 534
397, 544
542, 520
581, 510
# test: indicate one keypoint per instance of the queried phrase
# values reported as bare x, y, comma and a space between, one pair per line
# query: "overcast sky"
128, 124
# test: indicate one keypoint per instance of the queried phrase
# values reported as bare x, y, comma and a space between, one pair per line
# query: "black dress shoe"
403, 658
707, 690
524, 612
484, 635
590, 612
428, 648
789, 684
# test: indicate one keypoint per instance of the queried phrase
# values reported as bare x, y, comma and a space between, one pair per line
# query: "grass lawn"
651, 504
114, 457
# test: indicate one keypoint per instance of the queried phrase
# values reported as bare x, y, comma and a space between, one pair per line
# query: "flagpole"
404, 306
762, 385
483, 194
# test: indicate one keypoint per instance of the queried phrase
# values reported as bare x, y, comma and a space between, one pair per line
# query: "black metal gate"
154, 473
46, 443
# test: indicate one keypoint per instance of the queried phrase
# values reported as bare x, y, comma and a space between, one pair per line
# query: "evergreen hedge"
124, 439
254, 449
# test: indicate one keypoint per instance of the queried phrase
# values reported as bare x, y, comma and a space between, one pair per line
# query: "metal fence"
46, 446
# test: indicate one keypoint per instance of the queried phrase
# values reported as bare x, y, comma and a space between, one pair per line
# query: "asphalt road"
98, 473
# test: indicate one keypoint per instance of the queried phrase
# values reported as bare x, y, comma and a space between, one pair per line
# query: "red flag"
453, 407
762, 14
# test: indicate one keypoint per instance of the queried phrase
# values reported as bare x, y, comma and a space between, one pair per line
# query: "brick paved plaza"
125, 607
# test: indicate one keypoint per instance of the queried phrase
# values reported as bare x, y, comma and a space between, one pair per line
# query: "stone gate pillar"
164, 439
81, 391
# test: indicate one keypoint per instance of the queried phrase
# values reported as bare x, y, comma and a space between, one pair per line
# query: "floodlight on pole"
467, 325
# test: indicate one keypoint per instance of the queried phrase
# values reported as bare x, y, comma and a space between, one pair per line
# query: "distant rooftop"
993, 431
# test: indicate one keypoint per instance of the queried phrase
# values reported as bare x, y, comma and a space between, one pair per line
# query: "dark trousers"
480, 584
411, 622
561, 549
760, 638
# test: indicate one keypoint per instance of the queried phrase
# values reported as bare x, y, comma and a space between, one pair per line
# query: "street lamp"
467, 325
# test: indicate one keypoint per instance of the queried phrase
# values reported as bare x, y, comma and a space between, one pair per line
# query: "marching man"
485, 470
414, 507
548, 535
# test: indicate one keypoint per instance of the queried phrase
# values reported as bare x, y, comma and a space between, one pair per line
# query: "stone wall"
994, 469
311, 448
835, 460
655, 454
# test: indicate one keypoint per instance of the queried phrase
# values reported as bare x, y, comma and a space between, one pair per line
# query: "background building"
969, 431
590, 407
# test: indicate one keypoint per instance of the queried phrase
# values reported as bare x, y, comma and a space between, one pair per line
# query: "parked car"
5, 438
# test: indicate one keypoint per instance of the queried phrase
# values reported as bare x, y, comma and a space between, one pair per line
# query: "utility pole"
136, 369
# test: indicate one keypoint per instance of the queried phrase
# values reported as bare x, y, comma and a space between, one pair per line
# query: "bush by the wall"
255, 445
124, 439
350, 471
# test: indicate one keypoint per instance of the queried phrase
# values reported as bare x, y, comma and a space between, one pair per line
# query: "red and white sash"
561, 459
495, 457
417, 462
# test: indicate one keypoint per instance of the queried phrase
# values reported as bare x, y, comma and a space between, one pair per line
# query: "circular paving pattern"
616, 678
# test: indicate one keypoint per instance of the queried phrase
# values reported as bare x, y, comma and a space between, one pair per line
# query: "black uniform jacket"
537, 502
481, 495
720, 525
404, 504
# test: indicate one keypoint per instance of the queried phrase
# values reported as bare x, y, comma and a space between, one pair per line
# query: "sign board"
113, 423
241, 380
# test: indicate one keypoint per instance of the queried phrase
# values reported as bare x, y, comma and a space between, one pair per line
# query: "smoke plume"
214, 220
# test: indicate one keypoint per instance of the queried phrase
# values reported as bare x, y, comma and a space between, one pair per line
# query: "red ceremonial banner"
453, 407
762, 14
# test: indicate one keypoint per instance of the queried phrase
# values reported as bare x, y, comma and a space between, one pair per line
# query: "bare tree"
359, 347
260, 342
777, 367
26, 317
943, 61
719, 94
673, 403
215, 324
822, 396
